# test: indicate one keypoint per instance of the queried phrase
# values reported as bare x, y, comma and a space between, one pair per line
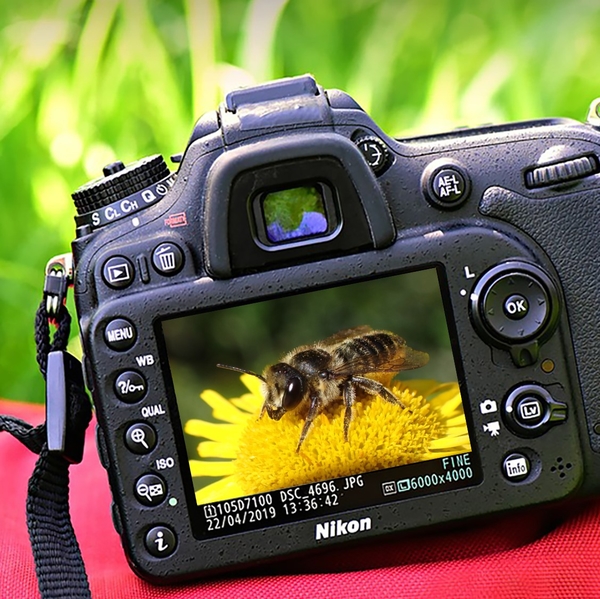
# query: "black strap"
58, 562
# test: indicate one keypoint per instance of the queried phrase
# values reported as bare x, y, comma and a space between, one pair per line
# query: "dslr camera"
312, 333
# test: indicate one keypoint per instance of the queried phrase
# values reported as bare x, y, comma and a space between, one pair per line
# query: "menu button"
120, 334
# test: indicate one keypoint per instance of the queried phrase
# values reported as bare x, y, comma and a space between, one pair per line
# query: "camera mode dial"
119, 182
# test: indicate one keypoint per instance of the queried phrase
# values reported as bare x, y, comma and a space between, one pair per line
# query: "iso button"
167, 259
120, 334
150, 490
130, 386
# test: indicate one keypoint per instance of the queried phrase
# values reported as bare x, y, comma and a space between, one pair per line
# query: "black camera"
313, 333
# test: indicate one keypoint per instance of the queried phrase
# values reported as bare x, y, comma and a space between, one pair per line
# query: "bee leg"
375, 388
349, 399
313, 411
262, 410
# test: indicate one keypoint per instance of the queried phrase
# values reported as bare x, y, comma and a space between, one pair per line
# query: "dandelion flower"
247, 454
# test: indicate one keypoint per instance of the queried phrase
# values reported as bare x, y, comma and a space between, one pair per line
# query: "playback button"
118, 272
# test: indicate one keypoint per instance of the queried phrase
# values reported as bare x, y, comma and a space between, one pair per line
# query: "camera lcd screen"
371, 366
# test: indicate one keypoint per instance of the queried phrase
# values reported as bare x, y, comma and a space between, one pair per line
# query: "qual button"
140, 438
120, 334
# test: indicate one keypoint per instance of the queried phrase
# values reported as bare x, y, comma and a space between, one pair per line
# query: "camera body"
295, 231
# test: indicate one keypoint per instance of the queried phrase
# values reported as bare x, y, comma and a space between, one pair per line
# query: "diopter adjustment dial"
119, 182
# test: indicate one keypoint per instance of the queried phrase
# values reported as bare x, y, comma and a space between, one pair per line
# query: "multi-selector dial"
515, 306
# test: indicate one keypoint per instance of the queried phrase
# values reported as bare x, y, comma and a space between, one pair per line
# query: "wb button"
516, 307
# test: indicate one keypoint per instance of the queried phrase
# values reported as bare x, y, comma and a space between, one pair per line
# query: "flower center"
382, 435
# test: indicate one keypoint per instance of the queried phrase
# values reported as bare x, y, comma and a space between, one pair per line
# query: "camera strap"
59, 443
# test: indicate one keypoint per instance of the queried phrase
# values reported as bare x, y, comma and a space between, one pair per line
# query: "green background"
84, 83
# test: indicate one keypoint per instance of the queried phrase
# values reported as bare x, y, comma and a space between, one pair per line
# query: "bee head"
284, 389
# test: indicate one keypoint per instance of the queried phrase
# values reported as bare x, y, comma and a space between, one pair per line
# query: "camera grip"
563, 226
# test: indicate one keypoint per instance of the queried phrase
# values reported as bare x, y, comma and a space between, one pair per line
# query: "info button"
120, 334
516, 467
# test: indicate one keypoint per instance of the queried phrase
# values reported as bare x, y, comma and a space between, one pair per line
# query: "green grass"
83, 83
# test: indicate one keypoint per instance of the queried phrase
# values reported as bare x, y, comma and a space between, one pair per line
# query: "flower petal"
253, 384
215, 432
248, 402
202, 468
225, 488
217, 449
223, 409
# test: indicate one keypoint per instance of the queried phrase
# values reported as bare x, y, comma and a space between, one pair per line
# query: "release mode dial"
119, 182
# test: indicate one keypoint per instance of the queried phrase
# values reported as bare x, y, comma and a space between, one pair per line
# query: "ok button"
516, 307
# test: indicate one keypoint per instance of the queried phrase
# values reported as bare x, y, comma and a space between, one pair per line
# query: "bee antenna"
236, 369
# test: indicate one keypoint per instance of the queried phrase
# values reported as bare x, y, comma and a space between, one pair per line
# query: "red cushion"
542, 553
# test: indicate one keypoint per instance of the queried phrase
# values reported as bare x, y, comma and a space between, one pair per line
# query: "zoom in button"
140, 438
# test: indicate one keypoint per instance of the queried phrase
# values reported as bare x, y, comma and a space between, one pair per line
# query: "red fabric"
540, 554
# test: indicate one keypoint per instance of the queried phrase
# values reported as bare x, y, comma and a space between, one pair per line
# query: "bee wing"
346, 334
408, 359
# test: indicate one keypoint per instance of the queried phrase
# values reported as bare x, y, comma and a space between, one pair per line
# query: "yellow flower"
248, 454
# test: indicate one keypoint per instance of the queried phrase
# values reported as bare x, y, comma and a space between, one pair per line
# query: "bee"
312, 377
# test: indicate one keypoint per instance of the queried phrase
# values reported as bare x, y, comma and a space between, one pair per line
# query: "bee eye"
294, 391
